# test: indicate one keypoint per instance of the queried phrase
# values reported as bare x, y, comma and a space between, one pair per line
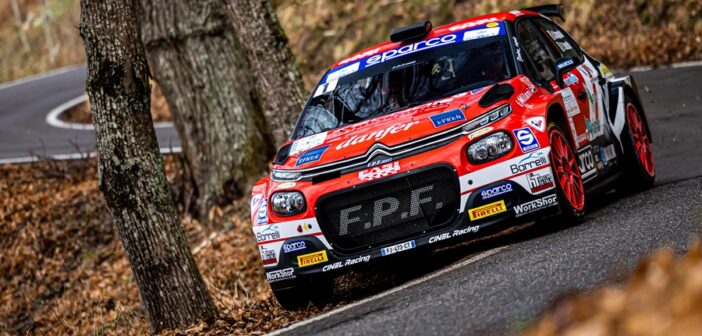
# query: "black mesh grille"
390, 210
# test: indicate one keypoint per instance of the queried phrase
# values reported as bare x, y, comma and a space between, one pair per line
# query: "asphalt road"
498, 285
24, 105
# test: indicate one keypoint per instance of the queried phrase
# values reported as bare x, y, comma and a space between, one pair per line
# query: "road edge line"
31, 78
53, 119
406, 285
75, 156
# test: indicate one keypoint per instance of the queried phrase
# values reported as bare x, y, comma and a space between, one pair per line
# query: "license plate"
398, 248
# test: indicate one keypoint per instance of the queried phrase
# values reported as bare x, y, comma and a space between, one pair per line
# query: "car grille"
390, 209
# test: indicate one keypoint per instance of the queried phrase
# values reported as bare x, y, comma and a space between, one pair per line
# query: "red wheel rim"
642, 142
566, 169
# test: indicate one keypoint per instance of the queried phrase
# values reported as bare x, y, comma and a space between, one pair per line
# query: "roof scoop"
411, 33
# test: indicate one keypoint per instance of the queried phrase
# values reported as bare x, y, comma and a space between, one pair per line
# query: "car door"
591, 86
540, 64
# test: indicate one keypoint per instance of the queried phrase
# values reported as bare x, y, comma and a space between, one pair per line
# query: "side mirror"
563, 66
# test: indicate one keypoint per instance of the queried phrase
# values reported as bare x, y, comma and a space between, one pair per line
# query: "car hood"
390, 130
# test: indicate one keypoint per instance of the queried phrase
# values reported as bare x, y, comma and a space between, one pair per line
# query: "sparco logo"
541, 203
533, 160
412, 48
377, 135
280, 274
385, 207
495, 191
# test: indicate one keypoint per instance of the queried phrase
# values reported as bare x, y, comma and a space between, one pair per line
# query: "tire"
311, 291
639, 168
566, 173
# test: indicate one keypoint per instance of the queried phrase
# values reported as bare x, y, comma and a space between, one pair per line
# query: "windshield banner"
474, 33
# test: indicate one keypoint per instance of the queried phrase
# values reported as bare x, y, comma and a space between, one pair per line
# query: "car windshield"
389, 82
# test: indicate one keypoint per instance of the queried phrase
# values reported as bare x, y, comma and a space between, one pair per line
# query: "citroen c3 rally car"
439, 135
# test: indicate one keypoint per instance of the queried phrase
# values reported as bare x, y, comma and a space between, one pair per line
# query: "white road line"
74, 156
53, 117
27, 79
414, 282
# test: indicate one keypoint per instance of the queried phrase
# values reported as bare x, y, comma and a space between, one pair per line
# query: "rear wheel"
569, 181
639, 169
310, 291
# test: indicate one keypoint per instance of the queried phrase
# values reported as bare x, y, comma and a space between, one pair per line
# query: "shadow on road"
378, 277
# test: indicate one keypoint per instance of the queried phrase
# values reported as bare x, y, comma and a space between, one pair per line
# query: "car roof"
438, 31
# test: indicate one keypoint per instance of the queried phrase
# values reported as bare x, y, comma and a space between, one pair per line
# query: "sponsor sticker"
501, 189
376, 135
533, 160
607, 154
268, 256
472, 24
565, 64
379, 171
304, 227
539, 182
537, 123
269, 233
481, 33
526, 139
345, 71
313, 258
571, 79
294, 246
446, 118
286, 185
347, 262
312, 155
398, 248
327, 87
587, 163
262, 213
535, 205
480, 132
455, 233
570, 103
312, 141
284, 274
487, 210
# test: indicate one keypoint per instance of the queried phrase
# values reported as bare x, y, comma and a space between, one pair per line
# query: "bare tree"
205, 76
130, 168
276, 76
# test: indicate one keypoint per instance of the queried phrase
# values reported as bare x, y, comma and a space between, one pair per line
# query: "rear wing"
555, 10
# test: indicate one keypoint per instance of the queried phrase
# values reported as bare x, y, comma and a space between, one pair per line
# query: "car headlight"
490, 148
282, 175
288, 203
487, 118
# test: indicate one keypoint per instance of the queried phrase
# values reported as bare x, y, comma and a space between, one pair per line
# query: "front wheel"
639, 169
569, 181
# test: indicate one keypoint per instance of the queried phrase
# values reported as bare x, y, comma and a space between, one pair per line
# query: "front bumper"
513, 191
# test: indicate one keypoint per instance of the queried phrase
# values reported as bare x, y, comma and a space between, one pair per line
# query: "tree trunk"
130, 168
204, 75
277, 78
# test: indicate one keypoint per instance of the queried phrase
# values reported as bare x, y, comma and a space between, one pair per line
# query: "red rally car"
440, 135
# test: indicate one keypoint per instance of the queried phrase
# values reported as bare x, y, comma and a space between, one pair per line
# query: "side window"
542, 61
561, 42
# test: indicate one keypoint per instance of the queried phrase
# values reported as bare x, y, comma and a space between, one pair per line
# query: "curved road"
498, 285
24, 105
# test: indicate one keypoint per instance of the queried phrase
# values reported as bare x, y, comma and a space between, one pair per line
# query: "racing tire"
566, 173
639, 172
312, 291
